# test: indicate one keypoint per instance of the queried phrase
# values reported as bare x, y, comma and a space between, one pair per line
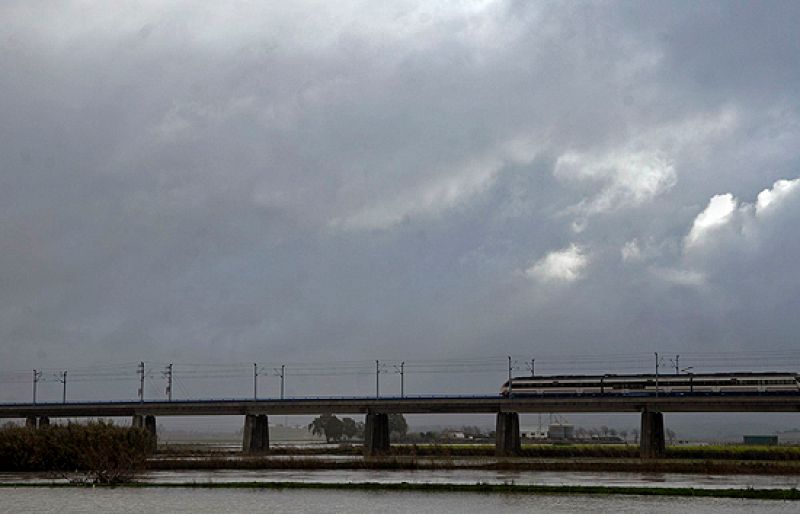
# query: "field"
721, 459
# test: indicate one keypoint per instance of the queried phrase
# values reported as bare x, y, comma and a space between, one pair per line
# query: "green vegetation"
397, 425
756, 494
101, 452
607, 451
721, 459
739, 451
335, 429
419, 463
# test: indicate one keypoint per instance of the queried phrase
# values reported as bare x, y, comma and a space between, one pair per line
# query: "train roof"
662, 375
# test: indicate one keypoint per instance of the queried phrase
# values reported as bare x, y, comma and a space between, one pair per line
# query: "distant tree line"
347, 429
336, 430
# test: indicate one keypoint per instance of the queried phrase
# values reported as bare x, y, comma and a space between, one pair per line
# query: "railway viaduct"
376, 410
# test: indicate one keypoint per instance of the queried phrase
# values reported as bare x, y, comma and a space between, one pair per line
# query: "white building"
532, 433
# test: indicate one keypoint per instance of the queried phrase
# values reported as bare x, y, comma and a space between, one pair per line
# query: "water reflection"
385, 502
454, 476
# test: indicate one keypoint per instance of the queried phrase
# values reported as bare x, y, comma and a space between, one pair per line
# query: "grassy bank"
568, 451
719, 459
426, 463
617, 451
759, 494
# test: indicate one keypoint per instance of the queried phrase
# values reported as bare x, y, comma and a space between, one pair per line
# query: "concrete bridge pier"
651, 442
376, 434
150, 427
255, 438
137, 421
37, 421
507, 442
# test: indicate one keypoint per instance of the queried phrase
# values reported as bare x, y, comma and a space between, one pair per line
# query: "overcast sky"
316, 180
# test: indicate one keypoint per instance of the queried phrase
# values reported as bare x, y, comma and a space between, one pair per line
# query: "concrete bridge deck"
507, 410
488, 404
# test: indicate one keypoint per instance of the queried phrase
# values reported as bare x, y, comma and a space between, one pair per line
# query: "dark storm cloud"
314, 182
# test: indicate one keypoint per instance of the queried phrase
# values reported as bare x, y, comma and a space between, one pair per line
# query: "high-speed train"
650, 385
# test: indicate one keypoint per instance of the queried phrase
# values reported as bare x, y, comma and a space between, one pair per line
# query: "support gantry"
507, 442
651, 444
255, 438
376, 434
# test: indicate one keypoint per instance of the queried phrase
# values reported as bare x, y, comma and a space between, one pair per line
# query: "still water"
28, 499
451, 476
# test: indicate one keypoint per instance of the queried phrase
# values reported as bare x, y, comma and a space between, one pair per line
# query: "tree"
397, 424
429, 436
328, 425
352, 428
473, 431
671, 435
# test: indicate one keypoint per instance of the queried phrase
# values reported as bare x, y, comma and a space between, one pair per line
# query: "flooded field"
387, 502
452, 476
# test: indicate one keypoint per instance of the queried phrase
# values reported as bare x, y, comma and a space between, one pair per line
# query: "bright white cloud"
779, 192
631, 178
725, 210
644, 166
565, 265
718, 213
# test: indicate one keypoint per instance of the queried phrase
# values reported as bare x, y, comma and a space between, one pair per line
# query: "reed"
96, 452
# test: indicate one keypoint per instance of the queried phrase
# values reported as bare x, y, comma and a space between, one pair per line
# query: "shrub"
102, 452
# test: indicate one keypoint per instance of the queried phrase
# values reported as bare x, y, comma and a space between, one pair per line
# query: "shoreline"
478, 488
723, 467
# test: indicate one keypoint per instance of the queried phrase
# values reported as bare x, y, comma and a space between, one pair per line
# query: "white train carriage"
648, 384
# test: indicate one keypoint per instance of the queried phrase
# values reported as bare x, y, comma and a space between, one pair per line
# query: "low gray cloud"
311, 181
